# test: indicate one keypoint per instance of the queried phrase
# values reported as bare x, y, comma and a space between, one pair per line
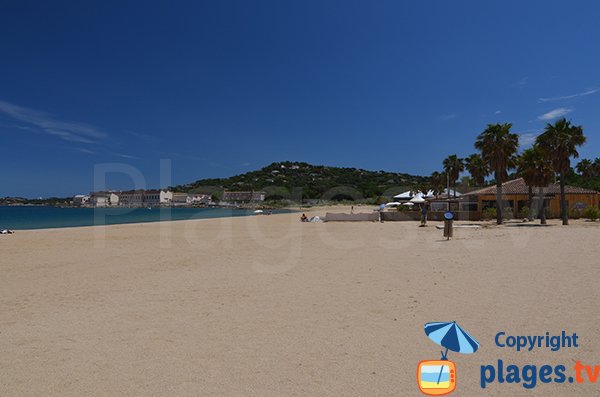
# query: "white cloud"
66, 130
126, 156
521, 82
528, 138
560, 98
554, 114
498, 112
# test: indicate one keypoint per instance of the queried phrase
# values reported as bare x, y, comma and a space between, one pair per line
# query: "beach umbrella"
404, 196
452, 337
417, 199
258, 211
408, 204
393, 204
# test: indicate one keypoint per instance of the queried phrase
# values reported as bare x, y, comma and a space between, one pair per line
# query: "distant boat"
258, 212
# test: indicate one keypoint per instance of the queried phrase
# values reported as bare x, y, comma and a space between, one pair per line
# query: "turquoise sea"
30, 217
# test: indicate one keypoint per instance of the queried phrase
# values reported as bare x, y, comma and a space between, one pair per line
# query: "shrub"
507, 213
489, 213
591, 213
402, 208
575, 213
550, 214
524, 213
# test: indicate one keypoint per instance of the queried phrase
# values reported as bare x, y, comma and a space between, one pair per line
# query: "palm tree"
419, 187
437, 183
559, 141
536, 169
477, 167
453, 166
498, 147
596, 167
585, 167
526, 168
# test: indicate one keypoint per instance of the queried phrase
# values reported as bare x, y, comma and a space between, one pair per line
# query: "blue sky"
224, 87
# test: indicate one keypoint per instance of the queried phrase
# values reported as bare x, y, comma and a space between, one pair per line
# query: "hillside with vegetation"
293, 180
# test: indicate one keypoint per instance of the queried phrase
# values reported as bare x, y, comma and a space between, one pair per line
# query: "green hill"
293, 180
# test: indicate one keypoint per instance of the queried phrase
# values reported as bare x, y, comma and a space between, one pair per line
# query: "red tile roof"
518, 186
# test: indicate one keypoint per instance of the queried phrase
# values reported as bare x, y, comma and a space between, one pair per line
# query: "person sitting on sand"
303, 218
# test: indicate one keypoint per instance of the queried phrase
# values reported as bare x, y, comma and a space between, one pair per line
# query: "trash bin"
448, 219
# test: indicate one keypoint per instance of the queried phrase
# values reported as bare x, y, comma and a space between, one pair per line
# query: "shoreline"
190, 209
321, 211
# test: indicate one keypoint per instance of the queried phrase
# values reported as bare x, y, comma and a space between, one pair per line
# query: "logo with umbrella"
438, 377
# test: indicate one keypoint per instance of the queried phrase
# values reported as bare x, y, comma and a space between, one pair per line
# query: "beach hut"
515, 196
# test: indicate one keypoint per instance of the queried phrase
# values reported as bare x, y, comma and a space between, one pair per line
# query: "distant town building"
197, 198
179, 198
104, 199
131, 198
166, 196
81, 199
141, 198
151, 198
242, 197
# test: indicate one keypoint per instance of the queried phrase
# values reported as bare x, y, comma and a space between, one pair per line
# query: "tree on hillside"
498, 147
559, 141
453, 166
536, 170
477, 167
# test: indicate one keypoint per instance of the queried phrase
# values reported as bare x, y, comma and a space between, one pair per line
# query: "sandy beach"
268, 306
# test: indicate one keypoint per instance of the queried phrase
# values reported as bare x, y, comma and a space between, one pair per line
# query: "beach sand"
268, 306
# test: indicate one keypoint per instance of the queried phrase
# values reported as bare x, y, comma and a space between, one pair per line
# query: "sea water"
39, 217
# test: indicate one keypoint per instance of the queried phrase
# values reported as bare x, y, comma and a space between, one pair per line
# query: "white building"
113, 198
81, 199
166, 196
198, 198
103, 199
99, 199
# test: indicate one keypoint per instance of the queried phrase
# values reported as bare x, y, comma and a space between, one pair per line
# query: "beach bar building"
515, 195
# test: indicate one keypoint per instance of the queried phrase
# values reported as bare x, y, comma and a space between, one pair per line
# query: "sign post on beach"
448, 219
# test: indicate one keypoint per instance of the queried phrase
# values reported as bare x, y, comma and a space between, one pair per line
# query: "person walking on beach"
423, 215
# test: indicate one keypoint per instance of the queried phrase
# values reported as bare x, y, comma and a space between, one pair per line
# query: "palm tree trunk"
530, 214
498, 200
543, 205
564, 214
